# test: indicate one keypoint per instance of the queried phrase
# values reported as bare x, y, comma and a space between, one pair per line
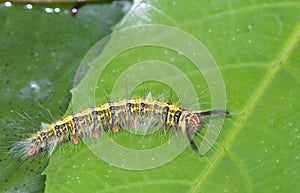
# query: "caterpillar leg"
131, 124
115, 128
75, 139
95, 133
31, 152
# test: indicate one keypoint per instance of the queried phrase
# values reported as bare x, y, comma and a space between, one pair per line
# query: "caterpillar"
112, 116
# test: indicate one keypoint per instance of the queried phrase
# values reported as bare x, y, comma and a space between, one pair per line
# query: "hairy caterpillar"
111, 116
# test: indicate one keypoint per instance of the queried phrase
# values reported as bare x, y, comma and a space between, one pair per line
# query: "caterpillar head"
192, 121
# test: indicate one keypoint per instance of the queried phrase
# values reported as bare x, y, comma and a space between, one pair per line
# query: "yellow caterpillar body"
111, 116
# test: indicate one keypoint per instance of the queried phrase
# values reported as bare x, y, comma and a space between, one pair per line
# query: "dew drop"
28, 6
7, 4
56, 10
34, 86
49, 10
74, 10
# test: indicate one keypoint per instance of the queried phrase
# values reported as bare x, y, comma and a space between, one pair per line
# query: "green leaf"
39, 55
256, 45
